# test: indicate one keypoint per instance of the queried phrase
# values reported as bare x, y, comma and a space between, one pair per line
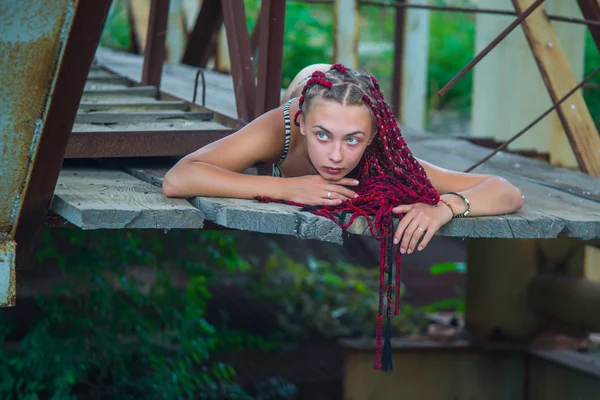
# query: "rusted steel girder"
270, 55
399, 31
242, 67
591, 11
165, 143
46, 50
154, 52
201, 42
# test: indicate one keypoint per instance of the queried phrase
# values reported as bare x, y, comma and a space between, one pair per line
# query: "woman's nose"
335, 154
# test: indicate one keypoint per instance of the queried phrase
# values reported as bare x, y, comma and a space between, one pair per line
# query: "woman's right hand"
314, 190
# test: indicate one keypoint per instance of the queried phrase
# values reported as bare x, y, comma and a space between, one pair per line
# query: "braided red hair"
389, 175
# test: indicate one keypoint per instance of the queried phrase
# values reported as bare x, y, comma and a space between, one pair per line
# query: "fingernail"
402, 250
420, 248
355, 195
396, 240
355, 182
409, 251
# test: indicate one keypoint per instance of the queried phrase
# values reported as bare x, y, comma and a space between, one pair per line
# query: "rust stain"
8, 293
26, 76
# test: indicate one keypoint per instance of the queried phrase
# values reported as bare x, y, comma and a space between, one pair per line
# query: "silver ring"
421, 229
328, 195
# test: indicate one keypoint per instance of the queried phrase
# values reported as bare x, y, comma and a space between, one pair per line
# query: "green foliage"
331, 299
117, 32
452, 46
455, 304
592, 61
128, 322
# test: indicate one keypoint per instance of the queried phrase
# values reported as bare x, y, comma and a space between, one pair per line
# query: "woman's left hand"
420, 221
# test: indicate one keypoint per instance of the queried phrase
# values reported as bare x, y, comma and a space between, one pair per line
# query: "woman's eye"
352, 140
322, 135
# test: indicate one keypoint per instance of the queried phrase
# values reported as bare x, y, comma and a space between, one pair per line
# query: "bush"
120, 327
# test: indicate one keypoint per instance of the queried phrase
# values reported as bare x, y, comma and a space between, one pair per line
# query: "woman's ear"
302, 125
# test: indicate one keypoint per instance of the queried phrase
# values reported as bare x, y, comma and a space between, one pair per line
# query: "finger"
408, 234
342, 191
346, 181
402, 209
330, 202
401, 227
426, 238
420, 231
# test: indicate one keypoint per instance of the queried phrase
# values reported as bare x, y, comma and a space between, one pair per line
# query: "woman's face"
337, 136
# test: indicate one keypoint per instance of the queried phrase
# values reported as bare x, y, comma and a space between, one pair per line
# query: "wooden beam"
496, 301
409, 93
574, 301
346, 28
98, 198
558, 76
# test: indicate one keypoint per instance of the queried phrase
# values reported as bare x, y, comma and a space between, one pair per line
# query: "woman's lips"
333, 171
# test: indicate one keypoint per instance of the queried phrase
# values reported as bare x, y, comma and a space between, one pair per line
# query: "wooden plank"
130, 106
128, 90
572, 359
436, 374
558, 76
539, 172
568, 215
167, 125
142, 116
97, 198
251, 215
120, 80
551, 379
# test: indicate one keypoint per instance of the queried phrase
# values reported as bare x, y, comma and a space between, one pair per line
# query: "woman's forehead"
339, 118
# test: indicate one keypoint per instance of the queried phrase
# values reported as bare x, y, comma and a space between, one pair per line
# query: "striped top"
288, 134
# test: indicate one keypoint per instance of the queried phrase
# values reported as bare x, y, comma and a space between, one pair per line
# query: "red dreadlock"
389, 175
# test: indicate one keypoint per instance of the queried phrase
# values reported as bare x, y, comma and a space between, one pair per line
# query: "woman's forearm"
493, 196
191, 179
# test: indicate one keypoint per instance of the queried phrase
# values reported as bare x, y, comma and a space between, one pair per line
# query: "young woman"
336, 150
332, 124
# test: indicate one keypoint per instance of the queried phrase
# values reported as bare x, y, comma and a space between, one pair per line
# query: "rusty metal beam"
591, 11
167, 143
399, 29
154, 53
270, 55
48, 49
201, 40
242, 67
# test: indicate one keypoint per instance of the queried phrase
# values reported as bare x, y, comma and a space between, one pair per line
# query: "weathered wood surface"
96, 198
548, 212
101, 117
130, 106
177, 80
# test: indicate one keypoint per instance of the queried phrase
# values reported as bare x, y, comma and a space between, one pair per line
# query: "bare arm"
488, 194
216, 169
